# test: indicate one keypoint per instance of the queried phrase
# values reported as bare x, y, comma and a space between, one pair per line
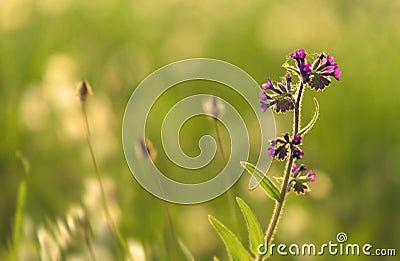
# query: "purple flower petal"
305, 69
264, 106
330, 60
294, 168
337, 73
300, 54
302, 167
296, 140
267, 85
311, 175
297, 153
288, 78
271, 152
263, 97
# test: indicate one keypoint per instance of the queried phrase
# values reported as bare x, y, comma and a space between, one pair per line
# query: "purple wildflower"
263, 97
288, 78
311, 175
268, 85
279, 96
324, 67
296, 140
337, 73
305, 71
300, 54
271, 152
295, 167
264, 106
297, 153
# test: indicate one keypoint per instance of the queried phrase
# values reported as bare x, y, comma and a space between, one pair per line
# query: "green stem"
89, 245
229, 194
272, 227
19, 211
17, 228
102, 192
168, 220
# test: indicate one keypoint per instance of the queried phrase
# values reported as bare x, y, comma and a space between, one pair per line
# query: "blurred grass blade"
215, 258
234, 247
17, 228
314, 119
186, 251
263, 180
19, 211
253, 226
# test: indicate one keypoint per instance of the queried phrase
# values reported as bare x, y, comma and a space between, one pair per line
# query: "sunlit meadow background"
47, 47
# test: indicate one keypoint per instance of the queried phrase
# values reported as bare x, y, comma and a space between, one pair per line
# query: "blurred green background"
47, 47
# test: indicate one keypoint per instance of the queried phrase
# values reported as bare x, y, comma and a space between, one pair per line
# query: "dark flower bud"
84, 91
296, 140
297, 153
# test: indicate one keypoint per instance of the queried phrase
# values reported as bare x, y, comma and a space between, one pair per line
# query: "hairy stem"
272, 227
297, 109
102, 192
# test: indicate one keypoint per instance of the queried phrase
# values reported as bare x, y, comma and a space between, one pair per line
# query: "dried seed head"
84, 91
145, 149
214, 107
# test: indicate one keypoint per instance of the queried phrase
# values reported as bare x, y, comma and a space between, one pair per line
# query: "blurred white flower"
49, 249
137, 250
74, 217
92, 201
62, 234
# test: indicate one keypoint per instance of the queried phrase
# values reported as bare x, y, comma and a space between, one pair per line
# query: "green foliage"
268, 186
234, 247
314, 119
17, 229
253, 226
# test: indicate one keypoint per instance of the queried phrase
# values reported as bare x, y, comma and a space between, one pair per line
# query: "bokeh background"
47, 47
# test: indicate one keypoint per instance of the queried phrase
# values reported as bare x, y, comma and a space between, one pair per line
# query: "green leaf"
309, 126
291, 68
264, 181
235, 249
215, 258
304, 180
253, 226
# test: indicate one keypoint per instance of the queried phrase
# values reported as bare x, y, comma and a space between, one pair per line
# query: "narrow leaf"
215, 258
264, 181
253, 226
291, 68
309, 126
235, 249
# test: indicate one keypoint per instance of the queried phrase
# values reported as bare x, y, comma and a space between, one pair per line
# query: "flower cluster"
280, 96
282, 145
299, 179
324, 67
316, 75
304, 68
